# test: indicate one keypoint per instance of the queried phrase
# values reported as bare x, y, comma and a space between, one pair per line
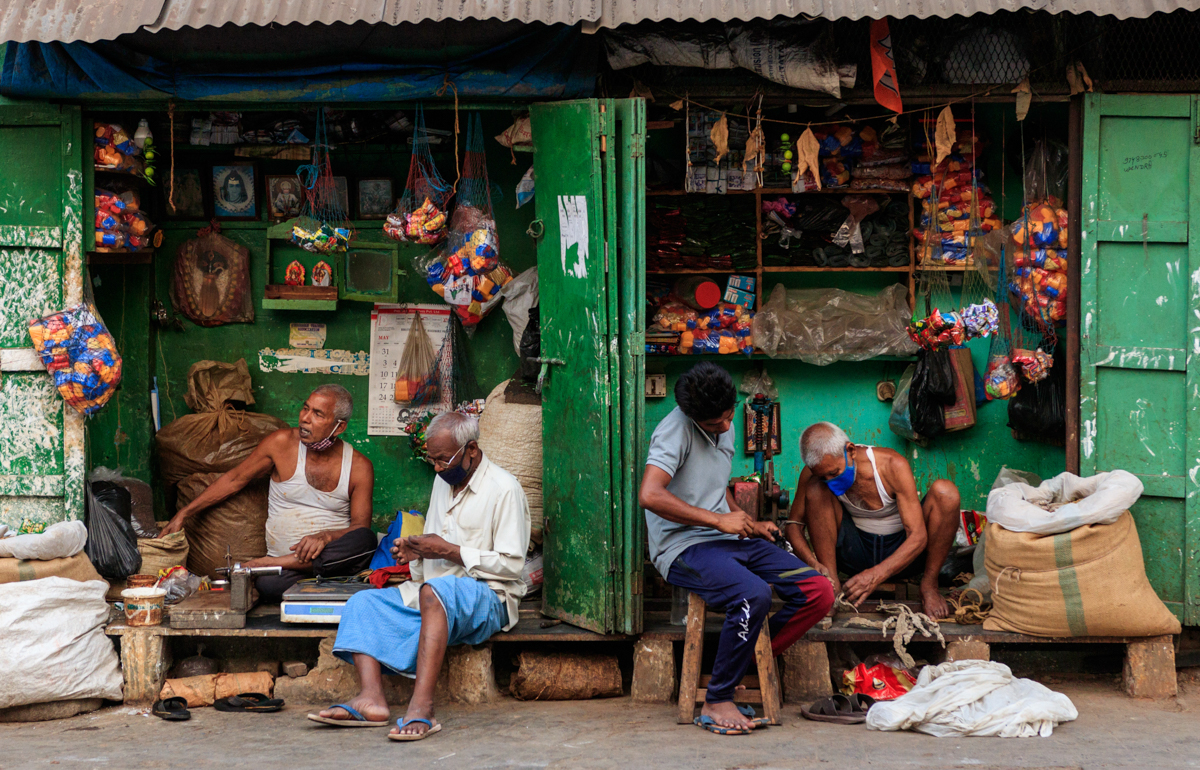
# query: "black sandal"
249, 701
837, 709
171, 709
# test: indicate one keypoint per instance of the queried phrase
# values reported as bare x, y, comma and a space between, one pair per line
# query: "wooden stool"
763, 688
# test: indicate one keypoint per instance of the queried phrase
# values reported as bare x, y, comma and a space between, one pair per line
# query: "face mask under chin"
325, 443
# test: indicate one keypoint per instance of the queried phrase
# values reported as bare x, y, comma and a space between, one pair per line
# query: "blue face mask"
841, 483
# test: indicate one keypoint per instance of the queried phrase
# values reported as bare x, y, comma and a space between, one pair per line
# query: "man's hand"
310, 546
766, 530
433, 547
173, 526
863, 585
736, 523
402, 552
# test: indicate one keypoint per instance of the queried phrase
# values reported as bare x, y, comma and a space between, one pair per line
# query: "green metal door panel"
1138, 176
1160, 525
31, 286
1141, 421
1145, 282
41, 270
577, 395
1139, 296
629, 153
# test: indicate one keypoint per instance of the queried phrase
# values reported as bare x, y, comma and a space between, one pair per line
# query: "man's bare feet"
416, 711
373, 710
726, 715
935, 605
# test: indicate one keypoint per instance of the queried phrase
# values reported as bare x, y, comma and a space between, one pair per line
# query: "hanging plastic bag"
467, 272
417, 378
111, 545
323, 226
1039, 412
421, 215
80, 354
932, 390
212, 281
900, 422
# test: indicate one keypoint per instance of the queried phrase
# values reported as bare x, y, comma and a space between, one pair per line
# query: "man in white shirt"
466, 583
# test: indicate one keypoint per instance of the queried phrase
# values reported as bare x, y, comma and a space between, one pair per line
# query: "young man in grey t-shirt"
701, 541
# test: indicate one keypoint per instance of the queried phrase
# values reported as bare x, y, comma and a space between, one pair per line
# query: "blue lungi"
379, 623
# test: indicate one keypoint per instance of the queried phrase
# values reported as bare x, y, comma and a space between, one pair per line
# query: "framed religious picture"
285, 196
235, 190
375, 199
342, 190
187, 200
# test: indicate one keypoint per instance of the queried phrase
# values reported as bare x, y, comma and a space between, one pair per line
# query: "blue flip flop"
710, 724
402, 723
748, 711
356, 719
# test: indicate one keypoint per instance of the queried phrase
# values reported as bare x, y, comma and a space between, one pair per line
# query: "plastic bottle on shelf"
142, 134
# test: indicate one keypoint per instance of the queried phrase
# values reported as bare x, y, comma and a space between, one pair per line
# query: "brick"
653, 671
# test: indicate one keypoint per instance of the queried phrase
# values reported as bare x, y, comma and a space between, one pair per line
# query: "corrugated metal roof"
92, 20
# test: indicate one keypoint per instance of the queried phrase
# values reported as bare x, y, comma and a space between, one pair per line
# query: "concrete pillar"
1150, 668
653, 671
143, 666
472, 678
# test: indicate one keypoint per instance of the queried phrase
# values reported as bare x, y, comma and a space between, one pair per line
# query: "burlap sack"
1090, 581
75, 567
510, 434
220, 434
240, 523
158, 554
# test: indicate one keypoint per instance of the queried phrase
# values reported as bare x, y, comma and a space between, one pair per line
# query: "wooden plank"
768, 675
693, 652
207, 609
283, 291
739, 696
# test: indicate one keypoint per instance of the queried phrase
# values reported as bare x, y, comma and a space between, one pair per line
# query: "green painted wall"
121, 433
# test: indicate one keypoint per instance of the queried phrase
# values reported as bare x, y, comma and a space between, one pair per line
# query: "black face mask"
456, 475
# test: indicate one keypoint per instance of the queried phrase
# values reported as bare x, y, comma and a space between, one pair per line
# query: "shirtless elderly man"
890, 532
319, 503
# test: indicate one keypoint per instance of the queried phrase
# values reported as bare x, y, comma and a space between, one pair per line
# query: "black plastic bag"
111, 544
1039, 411
531, 345
932, 390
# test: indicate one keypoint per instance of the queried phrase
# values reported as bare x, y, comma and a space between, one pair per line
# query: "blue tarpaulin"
544, 63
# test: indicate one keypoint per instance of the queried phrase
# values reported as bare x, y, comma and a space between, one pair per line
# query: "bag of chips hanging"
417, 378
467, 271
80, 354
421, 216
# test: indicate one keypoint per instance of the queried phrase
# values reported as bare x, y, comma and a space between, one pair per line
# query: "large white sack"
60, 541
974, 698
52, 642
1099, 499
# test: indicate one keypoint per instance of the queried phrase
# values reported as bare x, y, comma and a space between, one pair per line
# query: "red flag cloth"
379, 577
883, 67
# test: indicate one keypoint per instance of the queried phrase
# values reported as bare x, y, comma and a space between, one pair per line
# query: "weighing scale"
318, 601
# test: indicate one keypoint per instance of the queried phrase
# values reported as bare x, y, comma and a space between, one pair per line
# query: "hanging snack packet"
467, 271
420, 217
80, 354
323, 226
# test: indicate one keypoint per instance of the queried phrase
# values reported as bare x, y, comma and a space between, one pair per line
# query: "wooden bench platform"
1149, 670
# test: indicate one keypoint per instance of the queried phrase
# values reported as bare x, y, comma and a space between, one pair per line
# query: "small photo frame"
187, 200
285, 197
235, 190
375, 198
342, 188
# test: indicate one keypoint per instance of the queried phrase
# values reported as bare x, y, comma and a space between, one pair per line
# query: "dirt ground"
1112, 731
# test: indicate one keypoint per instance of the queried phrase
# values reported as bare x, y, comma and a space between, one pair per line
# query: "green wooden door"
41, 270
1140, 296
592, 558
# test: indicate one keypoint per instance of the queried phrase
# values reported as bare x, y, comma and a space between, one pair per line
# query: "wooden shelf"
284, 297
782, 191
702, 271
120, 257
767, 269
945, 268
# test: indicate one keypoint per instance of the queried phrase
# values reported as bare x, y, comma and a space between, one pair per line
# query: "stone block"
968, 649
44, 712
1150, 668
653, 671
294, 668
471, 677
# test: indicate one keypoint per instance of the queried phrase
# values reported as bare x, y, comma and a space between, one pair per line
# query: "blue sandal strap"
402, 723
349, 710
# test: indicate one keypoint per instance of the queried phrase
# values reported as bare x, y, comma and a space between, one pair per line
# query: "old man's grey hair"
461, 427
821, 440
343, 402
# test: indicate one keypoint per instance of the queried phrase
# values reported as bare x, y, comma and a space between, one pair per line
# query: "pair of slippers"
710, 724
357, 719
175, 709
839, 709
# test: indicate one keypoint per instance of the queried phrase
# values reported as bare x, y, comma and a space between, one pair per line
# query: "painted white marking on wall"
573, 231
1087, 439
